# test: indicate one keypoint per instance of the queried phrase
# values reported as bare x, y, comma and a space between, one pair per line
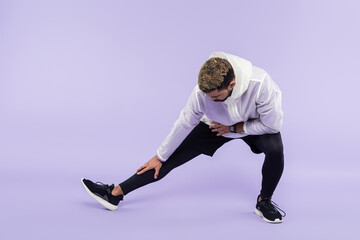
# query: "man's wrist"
239, 127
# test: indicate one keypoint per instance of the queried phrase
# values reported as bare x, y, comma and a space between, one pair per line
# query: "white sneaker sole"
99, 199
257, 212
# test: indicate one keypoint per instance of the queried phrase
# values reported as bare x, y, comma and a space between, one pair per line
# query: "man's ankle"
117, 191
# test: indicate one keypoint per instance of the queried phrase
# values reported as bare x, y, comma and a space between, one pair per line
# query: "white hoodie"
255, 100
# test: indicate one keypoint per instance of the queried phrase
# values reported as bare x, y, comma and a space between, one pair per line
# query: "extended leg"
200, 141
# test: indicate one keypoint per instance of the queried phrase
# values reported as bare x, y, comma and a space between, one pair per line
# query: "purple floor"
208, 198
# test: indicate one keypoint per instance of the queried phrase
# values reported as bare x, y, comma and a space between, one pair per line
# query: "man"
233, 99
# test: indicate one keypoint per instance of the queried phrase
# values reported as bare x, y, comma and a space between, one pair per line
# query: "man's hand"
222, 129
219, 128
153, 163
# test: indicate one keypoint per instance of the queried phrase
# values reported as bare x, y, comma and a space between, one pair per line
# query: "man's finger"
157, 170
141, 171
142, 167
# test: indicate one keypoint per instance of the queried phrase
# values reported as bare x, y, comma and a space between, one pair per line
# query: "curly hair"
215, 73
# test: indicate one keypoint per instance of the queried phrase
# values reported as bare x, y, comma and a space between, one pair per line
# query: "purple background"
91, 88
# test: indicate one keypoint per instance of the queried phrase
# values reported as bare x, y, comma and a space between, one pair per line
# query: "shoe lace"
271, 203
103, 186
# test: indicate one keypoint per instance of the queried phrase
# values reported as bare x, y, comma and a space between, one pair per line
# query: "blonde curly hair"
215, 73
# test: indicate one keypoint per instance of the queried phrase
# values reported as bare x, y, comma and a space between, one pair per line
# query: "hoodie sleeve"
188, 119
268, 105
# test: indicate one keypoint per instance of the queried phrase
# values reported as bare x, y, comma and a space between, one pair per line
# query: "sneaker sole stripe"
99, 199
257, 212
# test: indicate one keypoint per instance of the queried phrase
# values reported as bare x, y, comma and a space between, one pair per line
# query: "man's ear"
232, 84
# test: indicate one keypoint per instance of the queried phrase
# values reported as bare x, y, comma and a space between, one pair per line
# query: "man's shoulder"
258, 74
196, 91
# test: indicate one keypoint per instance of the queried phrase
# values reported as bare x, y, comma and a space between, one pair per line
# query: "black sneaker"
102, 193
269, 211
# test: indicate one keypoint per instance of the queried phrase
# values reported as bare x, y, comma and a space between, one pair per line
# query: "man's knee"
275, 151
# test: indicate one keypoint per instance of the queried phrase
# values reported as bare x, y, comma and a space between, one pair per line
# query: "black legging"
202, 141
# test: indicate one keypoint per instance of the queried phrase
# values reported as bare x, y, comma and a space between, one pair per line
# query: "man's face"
221, 95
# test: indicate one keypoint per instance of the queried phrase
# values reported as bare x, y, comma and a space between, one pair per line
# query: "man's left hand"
219, 128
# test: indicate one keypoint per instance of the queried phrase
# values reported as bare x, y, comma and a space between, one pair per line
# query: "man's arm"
268, 104
189, 117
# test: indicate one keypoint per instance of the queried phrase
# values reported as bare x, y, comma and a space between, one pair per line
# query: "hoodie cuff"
244, 127
160, 157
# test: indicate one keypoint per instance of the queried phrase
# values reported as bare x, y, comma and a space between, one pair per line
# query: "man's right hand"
153, 163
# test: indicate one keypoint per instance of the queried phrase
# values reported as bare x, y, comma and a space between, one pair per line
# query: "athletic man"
233, 99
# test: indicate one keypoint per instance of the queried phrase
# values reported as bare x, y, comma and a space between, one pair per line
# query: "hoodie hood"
242, 70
